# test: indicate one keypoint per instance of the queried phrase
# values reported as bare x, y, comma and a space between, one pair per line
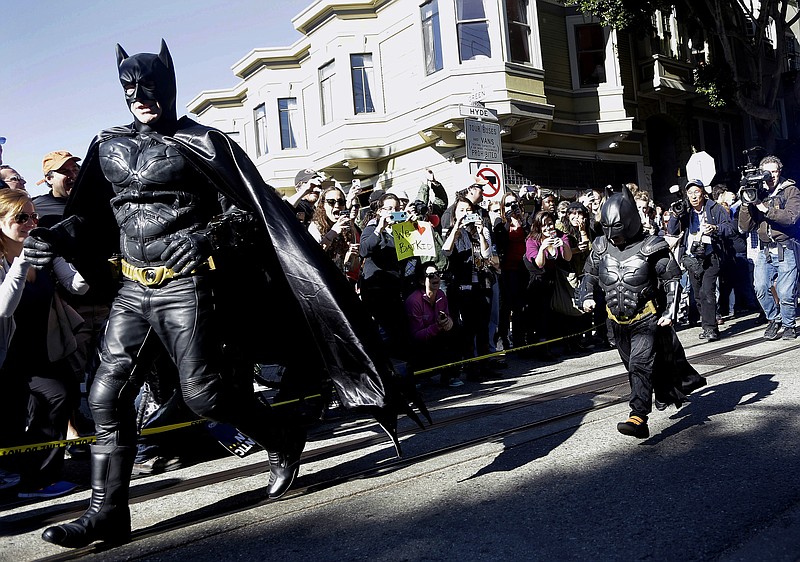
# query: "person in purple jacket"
433, 332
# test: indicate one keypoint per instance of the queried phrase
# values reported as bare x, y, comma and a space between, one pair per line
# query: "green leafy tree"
750, 48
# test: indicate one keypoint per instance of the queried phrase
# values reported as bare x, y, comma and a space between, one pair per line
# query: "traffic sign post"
492, 174
484, 152
477, 112
483, 140
493, 179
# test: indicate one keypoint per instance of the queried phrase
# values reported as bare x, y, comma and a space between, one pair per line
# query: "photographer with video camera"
771, 206
705, 226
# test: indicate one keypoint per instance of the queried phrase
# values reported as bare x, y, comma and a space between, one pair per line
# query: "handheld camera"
471, 218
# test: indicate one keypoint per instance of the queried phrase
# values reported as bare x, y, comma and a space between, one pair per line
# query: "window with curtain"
260, 114
431, 36
519, 31
363, 79
590, 49
473, 30
326, 74
287, 118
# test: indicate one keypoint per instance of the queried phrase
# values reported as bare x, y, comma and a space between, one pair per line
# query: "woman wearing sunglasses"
333, 226
32, 351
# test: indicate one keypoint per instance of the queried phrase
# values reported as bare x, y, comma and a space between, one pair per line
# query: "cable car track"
72, 510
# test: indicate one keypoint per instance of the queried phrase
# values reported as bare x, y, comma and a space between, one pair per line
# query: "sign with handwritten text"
413, 239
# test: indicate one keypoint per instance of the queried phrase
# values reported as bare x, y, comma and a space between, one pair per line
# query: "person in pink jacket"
433, 332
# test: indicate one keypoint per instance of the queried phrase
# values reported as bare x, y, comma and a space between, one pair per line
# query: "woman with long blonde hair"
33, 356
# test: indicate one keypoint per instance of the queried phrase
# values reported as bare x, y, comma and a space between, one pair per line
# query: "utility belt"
649, 308
155, 276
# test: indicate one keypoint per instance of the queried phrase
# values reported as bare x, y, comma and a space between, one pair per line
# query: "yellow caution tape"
162, 429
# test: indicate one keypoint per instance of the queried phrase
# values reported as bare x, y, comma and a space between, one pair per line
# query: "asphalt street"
525, 466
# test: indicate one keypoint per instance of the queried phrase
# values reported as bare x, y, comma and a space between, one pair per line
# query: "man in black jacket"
705, 226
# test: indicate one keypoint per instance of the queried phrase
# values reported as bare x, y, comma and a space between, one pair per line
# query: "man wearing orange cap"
60, 168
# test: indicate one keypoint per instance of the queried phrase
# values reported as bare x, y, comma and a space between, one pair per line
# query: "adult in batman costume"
640, 280
207, 249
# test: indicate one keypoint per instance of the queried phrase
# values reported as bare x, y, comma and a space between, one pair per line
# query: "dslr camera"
420, 208
751, 186
698, 250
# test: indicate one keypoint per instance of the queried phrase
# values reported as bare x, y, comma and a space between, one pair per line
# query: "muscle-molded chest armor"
159, 195
627, 279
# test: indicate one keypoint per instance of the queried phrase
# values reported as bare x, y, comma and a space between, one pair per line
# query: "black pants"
181, 315
471, 303
443, 349
383, 296
42, 404
636, 346
705, 291
513, 298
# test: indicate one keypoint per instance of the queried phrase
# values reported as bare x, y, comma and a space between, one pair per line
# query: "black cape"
290, 300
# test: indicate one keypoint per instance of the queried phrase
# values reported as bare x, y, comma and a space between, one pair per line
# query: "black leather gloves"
39, 249
185, 254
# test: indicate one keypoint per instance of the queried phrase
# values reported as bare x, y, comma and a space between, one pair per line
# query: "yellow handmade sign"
413, 239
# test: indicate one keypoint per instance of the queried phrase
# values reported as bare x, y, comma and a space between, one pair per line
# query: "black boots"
285, 464
108, 517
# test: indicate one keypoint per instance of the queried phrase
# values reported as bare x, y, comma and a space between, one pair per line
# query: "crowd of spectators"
521, 253
502, 276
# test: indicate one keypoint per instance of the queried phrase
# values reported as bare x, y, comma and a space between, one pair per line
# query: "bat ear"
121, 54
164, 55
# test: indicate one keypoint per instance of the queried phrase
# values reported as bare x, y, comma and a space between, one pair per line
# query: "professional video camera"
752, 190
680, 206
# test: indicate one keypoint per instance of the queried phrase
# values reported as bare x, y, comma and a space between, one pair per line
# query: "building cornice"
275, 58
227, 97
319, 12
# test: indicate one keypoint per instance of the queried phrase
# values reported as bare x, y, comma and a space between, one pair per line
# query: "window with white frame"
593, 55
431, 36
363, 80
326, 75
519, 31
473, 30
260, 115
287, 119
665, 32
590, 53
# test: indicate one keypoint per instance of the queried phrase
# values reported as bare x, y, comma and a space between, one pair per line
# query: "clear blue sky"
59, 80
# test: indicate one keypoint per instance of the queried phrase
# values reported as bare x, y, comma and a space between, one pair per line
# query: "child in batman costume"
640, 280
203, 242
